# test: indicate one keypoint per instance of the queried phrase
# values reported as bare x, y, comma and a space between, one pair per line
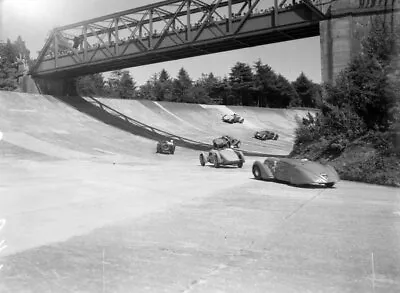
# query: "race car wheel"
158, 149
257, 172
240, 164
330, 184
216, 163
202, 160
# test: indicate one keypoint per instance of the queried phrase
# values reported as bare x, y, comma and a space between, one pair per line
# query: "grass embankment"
371, 158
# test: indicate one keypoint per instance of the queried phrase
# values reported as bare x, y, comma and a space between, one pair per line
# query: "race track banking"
88, 206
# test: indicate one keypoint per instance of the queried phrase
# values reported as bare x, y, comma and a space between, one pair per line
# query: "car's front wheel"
256, 172
216, 163
330, 184
240, 164
202, 160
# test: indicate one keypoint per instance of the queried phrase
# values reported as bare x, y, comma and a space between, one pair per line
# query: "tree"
306, 90
8, 66
127, 86
273, 90
121, 85
90, 85
163, 87
241, 81
265, 83
181, 86
213, 86
199, 95
285, 94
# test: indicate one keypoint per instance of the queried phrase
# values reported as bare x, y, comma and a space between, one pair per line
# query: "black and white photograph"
200, 146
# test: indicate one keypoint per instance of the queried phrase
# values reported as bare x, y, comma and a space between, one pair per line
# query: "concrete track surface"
89, 207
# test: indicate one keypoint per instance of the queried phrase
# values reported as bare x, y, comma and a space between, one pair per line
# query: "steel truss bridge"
171, 30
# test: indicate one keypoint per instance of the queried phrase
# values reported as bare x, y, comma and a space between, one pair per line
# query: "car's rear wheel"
202, 160
330, 184
216, 163
256, 172
240, 164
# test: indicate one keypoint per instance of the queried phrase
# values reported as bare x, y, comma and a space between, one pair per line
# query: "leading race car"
166, 147
235, 118
295, 172
264, 135
222, 157
226, 141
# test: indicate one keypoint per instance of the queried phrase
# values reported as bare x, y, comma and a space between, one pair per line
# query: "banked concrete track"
87, 206
77, 127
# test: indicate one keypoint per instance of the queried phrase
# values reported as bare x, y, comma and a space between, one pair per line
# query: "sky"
33, 19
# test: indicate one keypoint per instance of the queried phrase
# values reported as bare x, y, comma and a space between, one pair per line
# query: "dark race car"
295, 171
234, 118
222, 157
166, 147
266, 135
226, 141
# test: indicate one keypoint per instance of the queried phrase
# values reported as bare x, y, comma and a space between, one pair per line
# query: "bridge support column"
340, 38
57, 87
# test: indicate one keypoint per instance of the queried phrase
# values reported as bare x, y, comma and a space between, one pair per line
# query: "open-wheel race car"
222, 157
295, 172
166, 147
266, 135
233, 118
226, 141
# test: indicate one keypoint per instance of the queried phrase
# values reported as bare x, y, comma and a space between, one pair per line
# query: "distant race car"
295, 171
226, 141
265, 135
166, 147
234, 118
222, 158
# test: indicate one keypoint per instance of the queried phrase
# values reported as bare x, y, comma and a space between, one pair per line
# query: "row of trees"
257, 86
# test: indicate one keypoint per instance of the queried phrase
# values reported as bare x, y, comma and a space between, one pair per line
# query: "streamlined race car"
226, 141
235, 118
264, 135
166, 147
222, 157
295, 171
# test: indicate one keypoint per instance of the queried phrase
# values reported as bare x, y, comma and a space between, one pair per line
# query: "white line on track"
172, 114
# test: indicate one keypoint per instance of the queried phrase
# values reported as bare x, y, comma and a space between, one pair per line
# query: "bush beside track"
357, 129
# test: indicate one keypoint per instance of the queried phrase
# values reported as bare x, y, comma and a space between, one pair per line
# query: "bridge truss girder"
167, 30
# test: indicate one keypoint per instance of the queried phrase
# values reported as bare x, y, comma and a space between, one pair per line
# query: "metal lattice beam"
161, 27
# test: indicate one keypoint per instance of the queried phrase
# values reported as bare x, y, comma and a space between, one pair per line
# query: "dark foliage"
359, 115
11, 55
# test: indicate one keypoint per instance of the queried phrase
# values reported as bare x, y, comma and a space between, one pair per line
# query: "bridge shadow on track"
112, 117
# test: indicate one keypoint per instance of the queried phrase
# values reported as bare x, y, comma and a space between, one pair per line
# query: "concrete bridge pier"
341, 35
